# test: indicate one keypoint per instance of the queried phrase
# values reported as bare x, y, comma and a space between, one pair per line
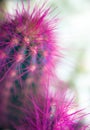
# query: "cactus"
51, 112
28, 55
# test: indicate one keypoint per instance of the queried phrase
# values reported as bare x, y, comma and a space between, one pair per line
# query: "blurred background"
74, 37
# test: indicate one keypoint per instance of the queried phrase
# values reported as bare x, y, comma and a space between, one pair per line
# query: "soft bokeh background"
74, 31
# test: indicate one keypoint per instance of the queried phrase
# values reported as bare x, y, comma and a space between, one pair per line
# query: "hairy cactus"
27, 45
27, 56
51, 112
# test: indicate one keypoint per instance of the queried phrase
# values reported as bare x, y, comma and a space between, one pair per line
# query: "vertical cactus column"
27, 56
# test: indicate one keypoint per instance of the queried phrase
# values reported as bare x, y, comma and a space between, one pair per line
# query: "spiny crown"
27, 44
